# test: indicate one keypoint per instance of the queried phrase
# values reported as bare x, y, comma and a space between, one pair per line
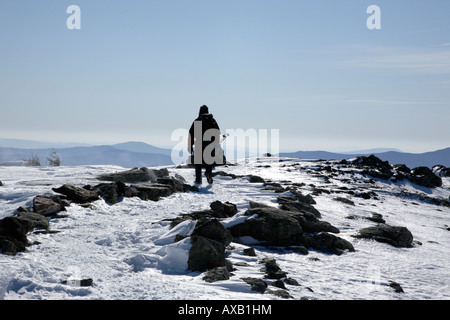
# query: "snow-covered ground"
127, 249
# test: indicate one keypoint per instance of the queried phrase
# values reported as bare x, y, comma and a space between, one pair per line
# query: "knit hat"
203, 109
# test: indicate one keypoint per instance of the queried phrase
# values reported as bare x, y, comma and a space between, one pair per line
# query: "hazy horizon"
319, 72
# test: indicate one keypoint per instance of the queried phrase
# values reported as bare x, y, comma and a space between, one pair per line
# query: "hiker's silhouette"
204, 137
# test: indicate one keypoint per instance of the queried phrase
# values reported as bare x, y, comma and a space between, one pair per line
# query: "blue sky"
138, 70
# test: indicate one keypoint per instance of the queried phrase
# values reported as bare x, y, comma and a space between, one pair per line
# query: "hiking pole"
224, 137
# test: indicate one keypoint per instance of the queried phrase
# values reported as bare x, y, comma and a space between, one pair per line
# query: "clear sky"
140, 69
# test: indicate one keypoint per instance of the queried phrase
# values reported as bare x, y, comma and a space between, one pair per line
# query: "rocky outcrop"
273, 226
423, 176
374, 167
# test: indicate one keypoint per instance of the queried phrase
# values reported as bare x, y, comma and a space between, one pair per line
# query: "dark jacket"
207, 122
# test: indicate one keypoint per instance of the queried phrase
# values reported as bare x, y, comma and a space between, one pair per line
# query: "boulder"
395, 236
76, 194
439, 169
271, 226
258, 285
326, 242
273, 271
217, 274
212, 229
205, 254
153, 191
425, 177
35, 219
112, 192
224, 210
13, 235
374, 166
292, 204
255, 179
132, 175
47, 205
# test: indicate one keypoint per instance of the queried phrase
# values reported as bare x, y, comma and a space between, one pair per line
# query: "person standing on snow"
204, 137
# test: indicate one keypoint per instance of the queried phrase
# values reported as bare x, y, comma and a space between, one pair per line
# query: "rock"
309, 221
280, 293
271, 226
13, 235
108, 191
8, 247
254, 204
249, 252
376, 217
292, 204
395, 236
47, 205
425, 177
440, 170
375, 167
279, 284
173, 183
76, 194
344, 200
291, 282
217, 274
255, 179
213, 229
258, 285
35, 219
328, 243
221, 210
133, 175
273, 271
205, 254
112, 192
397, 288
153, 191
224, 210
308, 199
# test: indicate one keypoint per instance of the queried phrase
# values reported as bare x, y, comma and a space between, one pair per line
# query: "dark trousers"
198, 171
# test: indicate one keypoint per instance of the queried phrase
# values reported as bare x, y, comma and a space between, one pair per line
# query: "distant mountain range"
412, 160
128, 155
138, 154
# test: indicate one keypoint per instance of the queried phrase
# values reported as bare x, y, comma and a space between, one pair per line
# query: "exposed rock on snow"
258, 285
212, 229
396, 236
270, 225
217, 274
77, 194
133, 175
38, 221
13, 235
47, 205
373, 166
423, 176
205, 254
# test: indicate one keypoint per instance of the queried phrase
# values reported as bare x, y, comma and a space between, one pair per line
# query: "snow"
128, 250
